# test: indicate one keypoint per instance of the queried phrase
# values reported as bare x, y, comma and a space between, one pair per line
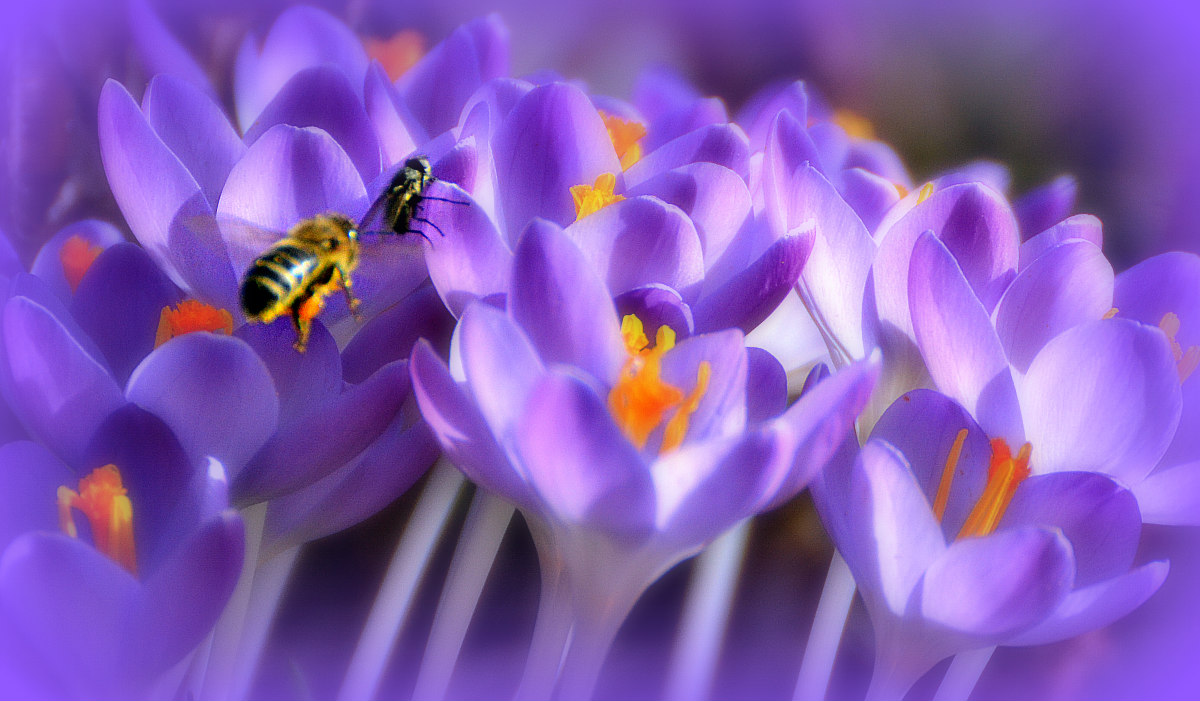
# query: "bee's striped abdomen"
274, 278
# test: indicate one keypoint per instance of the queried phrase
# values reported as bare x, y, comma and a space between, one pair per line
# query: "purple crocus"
625, 455
671, 228
931, 505
1087, 393
111, 571
1164, 291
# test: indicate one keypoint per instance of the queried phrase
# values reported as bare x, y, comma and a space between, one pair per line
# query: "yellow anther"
104, 501
855, 125
925, 193
1005, 474
590, 199
943, 492
626, 136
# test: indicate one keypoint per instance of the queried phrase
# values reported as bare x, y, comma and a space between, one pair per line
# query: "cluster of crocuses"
991, 417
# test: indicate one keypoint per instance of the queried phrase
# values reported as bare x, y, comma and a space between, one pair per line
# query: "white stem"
265, 598
963, 675
218, 677
826, 635
474, 557
392, 604
706, 615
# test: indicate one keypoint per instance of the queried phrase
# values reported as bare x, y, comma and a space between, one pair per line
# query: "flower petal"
302, 380
924, 425
1068, 285
869, 195
965, 591
723, 144
1171, 496
195, 129
958, 343
766, 386
59, 390
1115, 413
459, 426
714, 198
29, 480
48, 264
322, 97
392, 334
215, 394
1098, 516
1096, 606
641, 241
1046, 205
552, 140
581, 465
558, 299
119, 303
438, 86
748, 298
657, 305
397, 128
472, 260
722, 409
788, 148
1080, 226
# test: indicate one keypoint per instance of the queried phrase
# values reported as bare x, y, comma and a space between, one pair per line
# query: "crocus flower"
112, 571
625, 456
1164, 291
1044, 368
931, 505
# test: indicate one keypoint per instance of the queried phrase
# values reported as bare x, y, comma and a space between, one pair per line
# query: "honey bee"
318, 255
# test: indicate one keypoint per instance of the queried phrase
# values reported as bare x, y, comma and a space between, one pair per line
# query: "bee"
319, 254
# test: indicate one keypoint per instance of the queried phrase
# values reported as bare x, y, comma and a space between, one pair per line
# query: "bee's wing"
375, 220
246, 240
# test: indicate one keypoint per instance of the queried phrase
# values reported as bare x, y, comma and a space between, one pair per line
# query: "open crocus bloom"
111, 574
625, 455
955, 545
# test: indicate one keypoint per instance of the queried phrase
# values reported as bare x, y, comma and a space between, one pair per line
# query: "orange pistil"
625, 136
641, 400
943, 492
590, 199
77, 255
191, 315
1186, 361
854, 124
1004, 475
398, 52
103, 499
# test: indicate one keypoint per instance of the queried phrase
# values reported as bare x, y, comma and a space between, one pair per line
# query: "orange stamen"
1111, 313
625, 136
943, 492
1004, 475
397, 53
641, 400
77, 255
925, 193
854, 124
191, 315
590, 199
1186, 361
104, 501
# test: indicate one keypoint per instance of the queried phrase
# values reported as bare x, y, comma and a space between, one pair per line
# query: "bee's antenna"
435, 226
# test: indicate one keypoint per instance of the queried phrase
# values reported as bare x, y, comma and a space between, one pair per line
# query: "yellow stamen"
1112, 312
855, 125
1004, 475
1186, 361
398, 52
590, 199
903, 191
104, 501
641, 400
625, 136
77, 255
925, 193
191, 315
943, 492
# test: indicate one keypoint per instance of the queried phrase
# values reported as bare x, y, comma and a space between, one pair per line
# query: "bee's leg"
435, 227
351, 301
303, 312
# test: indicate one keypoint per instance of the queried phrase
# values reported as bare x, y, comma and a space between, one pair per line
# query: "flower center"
641, 400
77, 255
398, 52
191, 315
105, 502
625, 135
854, 124
1186, 361
590, 199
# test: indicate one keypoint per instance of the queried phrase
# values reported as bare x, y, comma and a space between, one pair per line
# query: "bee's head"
421, 165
